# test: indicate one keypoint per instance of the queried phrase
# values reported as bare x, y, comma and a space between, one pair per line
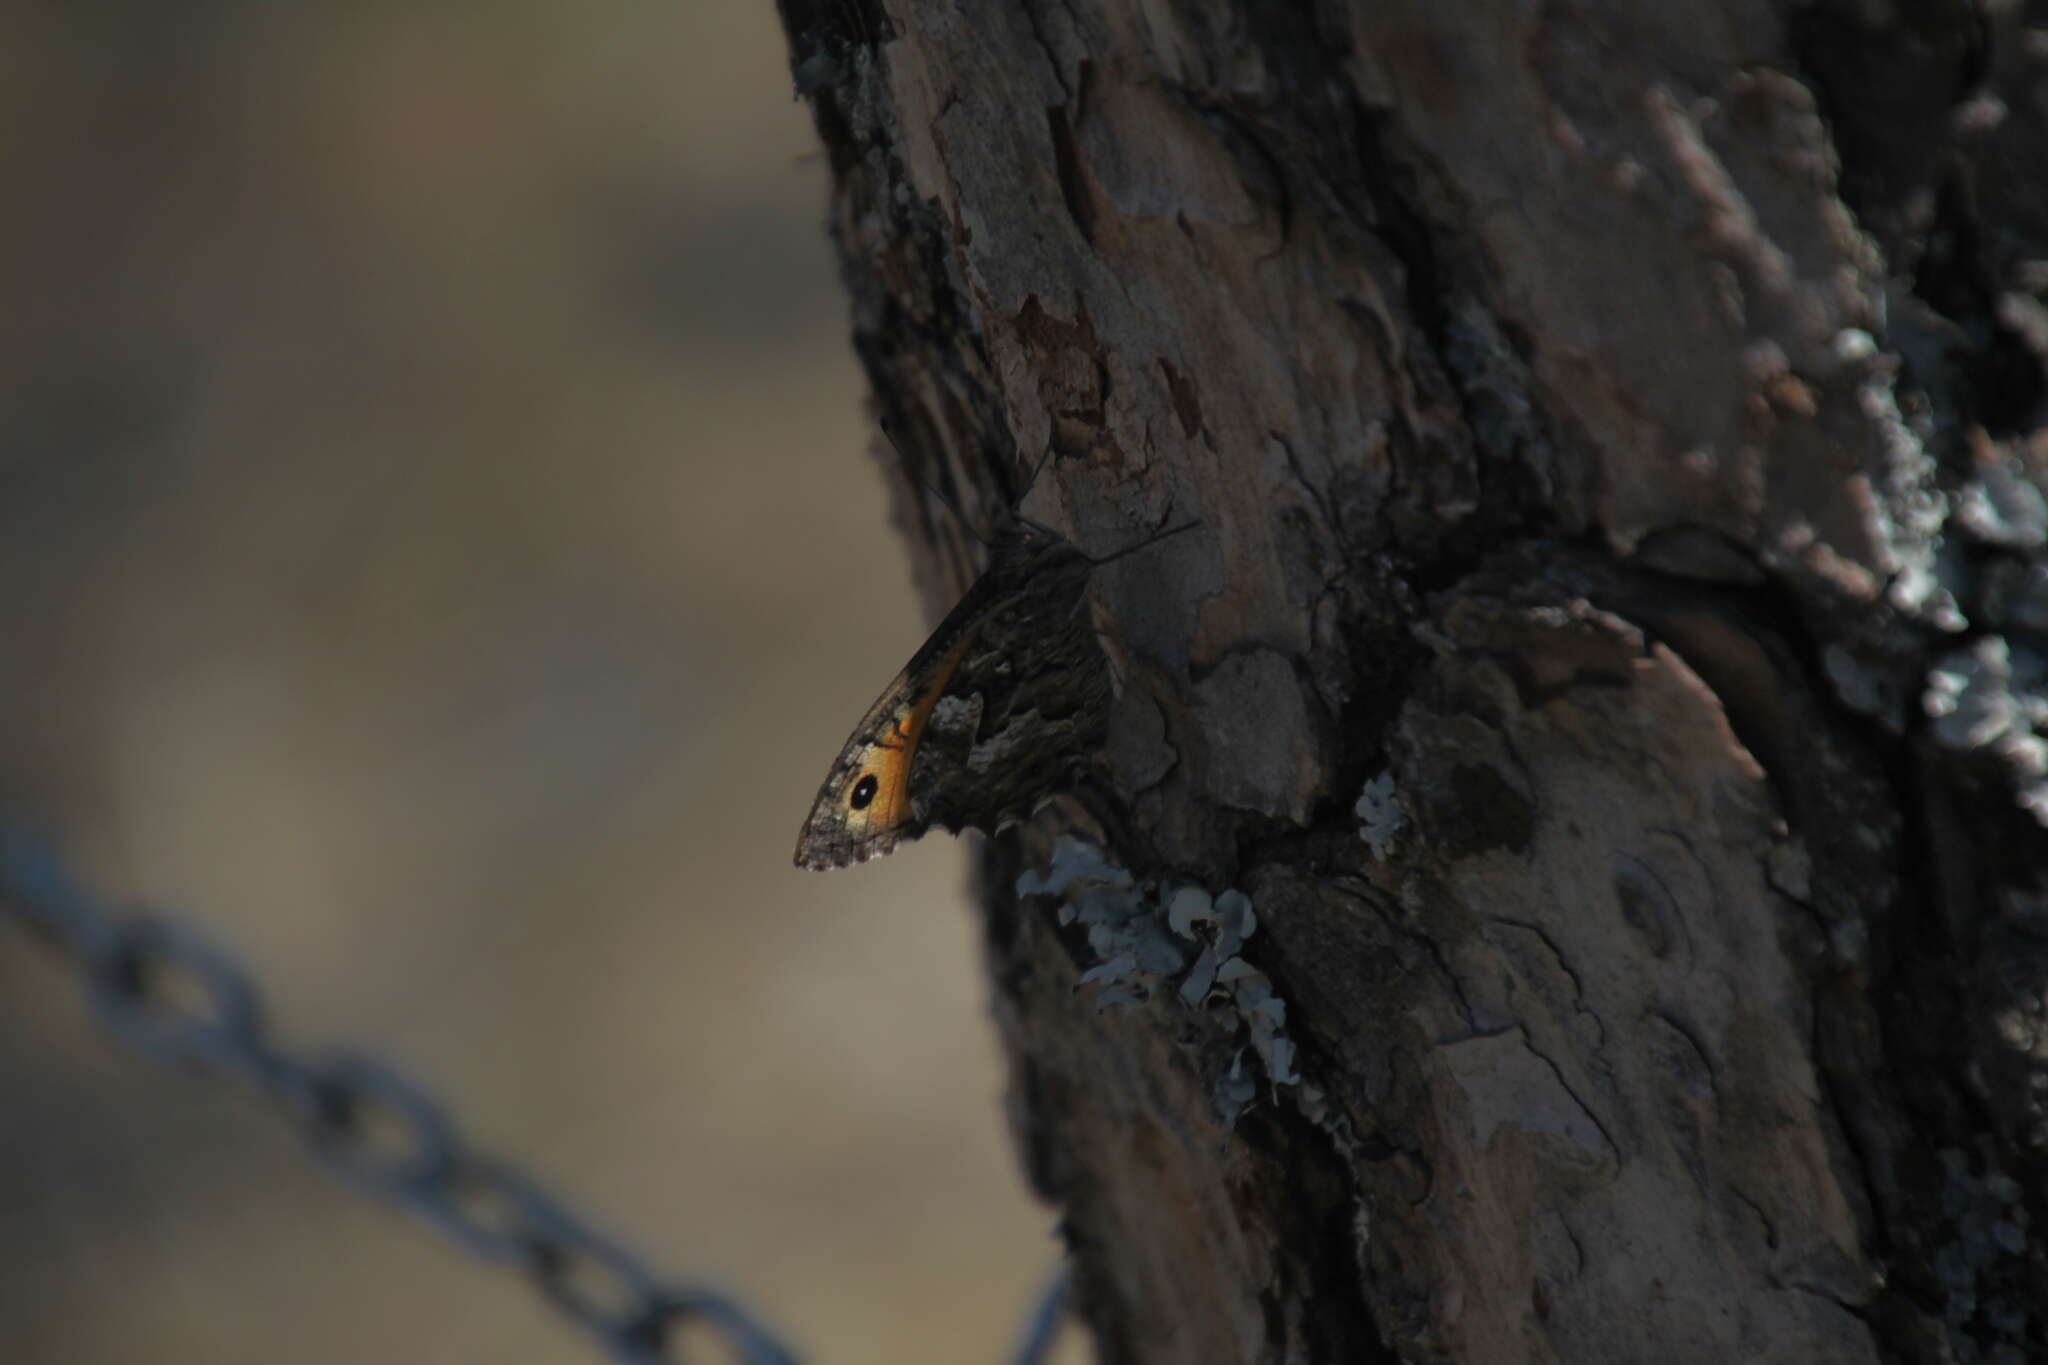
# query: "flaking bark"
1609, 659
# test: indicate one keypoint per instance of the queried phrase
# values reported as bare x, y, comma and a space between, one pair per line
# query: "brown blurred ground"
436, 554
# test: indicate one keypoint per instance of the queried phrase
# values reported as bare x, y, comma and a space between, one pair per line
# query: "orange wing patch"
863, 808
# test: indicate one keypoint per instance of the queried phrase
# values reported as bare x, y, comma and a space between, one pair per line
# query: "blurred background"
439, 556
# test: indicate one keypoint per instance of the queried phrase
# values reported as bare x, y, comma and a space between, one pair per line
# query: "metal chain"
169, 995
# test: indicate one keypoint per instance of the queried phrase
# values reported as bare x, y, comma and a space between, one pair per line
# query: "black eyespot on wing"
864, 791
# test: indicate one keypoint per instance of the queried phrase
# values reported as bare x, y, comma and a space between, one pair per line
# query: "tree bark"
1573, 885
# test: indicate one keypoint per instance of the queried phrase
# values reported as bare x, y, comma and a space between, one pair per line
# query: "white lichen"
1380, 817
1153, 940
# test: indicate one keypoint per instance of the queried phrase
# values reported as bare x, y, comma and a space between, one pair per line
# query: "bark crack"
1614, 1150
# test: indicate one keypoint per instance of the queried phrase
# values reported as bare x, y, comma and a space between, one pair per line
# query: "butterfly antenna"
945, 499
1147, 543
1031, 480
1111, 558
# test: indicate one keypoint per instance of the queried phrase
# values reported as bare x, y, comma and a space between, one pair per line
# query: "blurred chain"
1042, 1328
170, 996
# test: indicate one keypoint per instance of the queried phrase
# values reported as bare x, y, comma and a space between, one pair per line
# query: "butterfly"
1005, 704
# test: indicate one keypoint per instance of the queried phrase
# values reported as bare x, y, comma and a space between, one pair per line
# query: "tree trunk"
1606, 665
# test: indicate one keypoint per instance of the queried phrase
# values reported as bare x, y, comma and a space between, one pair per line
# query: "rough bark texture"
1575, 886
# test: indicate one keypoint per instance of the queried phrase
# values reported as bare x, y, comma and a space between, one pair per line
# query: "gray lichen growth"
1999, 507
1133, 948
1380, 817
1266, 1015
1154, 940
1909, 510
1989, 699
1984, 699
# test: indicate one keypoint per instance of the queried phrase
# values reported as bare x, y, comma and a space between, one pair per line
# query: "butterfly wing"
863, 807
